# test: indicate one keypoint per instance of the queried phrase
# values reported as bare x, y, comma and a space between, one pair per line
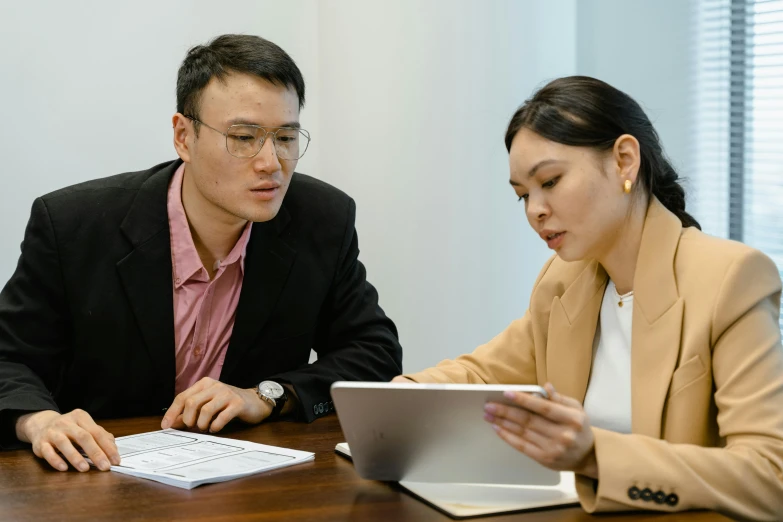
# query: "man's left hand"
209, 405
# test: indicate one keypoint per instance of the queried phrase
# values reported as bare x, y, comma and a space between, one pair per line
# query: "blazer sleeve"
33, 337
509, 358
354, 339
744, 478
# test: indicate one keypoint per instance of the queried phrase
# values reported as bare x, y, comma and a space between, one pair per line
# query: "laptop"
432, 433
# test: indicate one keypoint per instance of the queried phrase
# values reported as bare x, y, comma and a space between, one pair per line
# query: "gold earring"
627, 186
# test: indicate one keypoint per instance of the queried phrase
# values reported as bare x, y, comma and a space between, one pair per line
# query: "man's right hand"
55, 436
402, 379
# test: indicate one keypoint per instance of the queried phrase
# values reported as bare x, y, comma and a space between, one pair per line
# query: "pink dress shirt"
204, 310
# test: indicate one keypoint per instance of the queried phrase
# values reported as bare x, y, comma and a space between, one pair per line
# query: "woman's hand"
403, 380
554, 432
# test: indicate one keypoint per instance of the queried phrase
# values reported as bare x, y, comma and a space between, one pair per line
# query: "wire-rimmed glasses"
245, 141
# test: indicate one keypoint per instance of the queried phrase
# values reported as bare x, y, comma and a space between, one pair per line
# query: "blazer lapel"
572, 326
268, 262
146, 272
657, 320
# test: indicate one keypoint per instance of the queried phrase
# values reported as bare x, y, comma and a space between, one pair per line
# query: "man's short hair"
234, 53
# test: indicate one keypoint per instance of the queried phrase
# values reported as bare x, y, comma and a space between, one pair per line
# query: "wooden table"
326, 489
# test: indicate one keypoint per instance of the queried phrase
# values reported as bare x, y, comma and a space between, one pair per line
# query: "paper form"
187, 460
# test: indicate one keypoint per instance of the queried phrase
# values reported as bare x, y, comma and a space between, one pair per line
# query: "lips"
266, 186
553, 238
548, 234
265, 192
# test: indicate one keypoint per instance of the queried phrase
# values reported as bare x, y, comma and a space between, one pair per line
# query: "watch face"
271, 389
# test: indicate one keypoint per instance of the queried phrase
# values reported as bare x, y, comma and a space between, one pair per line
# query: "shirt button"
178, 280
198, 350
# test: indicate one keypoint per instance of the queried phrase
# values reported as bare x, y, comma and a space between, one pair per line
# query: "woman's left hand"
555, 432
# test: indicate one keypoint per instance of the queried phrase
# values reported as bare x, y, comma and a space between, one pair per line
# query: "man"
195, 288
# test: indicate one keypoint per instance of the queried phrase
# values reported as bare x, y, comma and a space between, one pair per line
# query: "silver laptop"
432, 433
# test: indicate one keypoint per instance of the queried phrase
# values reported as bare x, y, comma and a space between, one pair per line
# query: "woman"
659, 345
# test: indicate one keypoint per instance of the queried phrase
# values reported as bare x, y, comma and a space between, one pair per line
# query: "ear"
626, 158
184, 135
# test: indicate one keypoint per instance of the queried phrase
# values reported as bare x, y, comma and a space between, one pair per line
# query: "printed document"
186, 460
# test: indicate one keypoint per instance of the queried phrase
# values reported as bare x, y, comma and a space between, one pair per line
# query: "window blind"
737, 180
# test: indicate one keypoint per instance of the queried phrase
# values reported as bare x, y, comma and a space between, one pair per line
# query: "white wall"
419, 95
407, 102
645, 48
87, 88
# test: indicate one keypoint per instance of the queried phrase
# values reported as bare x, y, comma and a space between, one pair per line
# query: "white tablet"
432, 433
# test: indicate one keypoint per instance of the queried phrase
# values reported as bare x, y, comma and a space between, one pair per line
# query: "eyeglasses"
245, 141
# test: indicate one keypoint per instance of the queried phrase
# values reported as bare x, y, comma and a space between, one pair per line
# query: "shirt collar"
185, 261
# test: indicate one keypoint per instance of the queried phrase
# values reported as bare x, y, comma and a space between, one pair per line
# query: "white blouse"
608, 399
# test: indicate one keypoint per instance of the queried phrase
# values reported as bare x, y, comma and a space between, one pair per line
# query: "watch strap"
279, 405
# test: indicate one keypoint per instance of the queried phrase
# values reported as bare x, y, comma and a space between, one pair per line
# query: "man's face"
224, 187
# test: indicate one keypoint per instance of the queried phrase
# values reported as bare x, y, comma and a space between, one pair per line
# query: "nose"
537, 208
266, 160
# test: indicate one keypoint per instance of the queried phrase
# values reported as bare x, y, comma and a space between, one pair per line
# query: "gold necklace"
622, 297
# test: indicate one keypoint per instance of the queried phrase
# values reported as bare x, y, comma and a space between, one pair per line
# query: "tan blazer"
706, 372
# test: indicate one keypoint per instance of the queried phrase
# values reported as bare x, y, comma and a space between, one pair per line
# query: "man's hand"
554, 432
210, 405
53, 437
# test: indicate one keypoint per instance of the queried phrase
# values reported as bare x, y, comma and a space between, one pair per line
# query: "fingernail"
104, 465
165, 424
84, 466
490, 408
488, 417
115, 459
62, 467
496, 427
509, 394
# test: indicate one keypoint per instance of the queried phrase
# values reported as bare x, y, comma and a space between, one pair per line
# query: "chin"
568, 255
263, 215
258, 213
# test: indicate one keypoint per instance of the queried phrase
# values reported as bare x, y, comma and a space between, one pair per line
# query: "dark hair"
585, 112
234, 53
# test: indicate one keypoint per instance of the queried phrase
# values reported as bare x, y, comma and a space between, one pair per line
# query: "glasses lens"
244, 141
291, 144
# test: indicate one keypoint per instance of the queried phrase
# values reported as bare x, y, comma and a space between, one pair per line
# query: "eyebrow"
243, 121
535, 169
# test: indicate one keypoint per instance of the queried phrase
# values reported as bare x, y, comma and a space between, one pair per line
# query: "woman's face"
573, 196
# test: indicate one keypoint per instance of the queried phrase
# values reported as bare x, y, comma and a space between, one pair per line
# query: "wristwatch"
274, 394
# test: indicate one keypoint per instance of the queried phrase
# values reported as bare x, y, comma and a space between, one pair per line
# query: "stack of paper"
470, 500
187, 460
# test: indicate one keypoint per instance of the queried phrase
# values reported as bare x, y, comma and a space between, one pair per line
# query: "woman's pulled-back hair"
585, 112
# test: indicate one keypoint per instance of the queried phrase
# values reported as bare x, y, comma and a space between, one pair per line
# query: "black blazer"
87, 319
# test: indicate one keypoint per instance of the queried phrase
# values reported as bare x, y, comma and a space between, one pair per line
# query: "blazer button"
672, 499
164, 410
647, 494
315, 409
634, 493
659, 497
